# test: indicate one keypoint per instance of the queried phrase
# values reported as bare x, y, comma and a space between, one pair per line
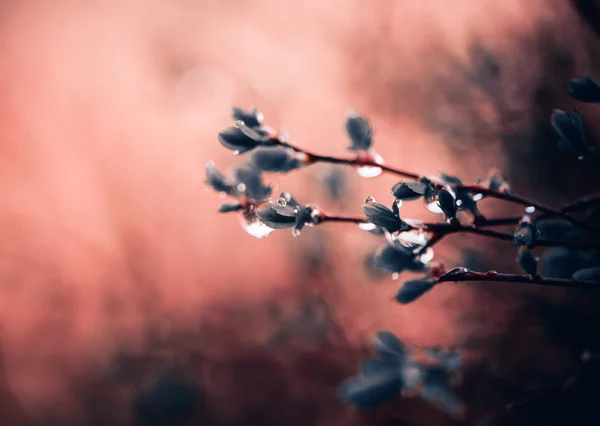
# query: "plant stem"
463, 274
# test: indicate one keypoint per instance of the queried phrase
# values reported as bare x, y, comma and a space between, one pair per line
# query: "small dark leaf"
229, 207
439, 396
497, 182
447, 203
303, 217
592, 274
527, 261
412, 290
235, 139
450, 180
387, 345
584, 89
273, 218
393, 259
373, 366
525, 235
366, 392
360, 132
251, 119
572, 132
217, 180
251, 179
409, 190
380, 215
274, 159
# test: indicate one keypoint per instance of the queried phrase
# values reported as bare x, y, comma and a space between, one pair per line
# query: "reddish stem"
463, 274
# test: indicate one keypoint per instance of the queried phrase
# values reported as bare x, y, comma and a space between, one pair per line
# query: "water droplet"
296, 232
241, 187
369, 199
492, 273
581, 157
395, 276
427, 256
398, 203
296, 209
255, 227
530, 209
413, 239
367, 226
371, 171
477, 197
316, 217
459, 203
236, 152
434, 207
282, 202
222, 194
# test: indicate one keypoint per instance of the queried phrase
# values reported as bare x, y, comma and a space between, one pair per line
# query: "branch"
463, 274
440, 230
368, 160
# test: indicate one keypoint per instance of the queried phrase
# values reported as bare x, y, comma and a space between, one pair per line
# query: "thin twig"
463, 274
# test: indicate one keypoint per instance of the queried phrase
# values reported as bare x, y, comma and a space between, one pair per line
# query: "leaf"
412, 290
380, 215
360, 132
573, 136
274, 159
409, 190
235, 139
387, 345
525, 235
393, 259
251, 119
440, 397
230, 207
591, 274
366, 392
251, 178
584, 89
217, 180
273, 218
447, 203
527, 261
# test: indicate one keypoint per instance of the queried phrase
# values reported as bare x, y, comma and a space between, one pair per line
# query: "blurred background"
126, 299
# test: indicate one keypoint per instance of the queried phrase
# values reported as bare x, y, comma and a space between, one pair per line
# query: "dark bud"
584, 89
497, 182
393, 259
572, 132
438, 395
380, 215
558, 229
251, 119
360, 132
591, 274
527, 261
235, 139
249, 182
276, 218
366, 392
335, 183
450, 180
229, 207
373, 366
303, 217
561, 262
410, 190
216, 180
412, 290
275, 159
447, 203
525, 235
388, 346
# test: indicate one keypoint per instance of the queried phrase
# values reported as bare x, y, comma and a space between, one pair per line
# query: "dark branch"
463, 274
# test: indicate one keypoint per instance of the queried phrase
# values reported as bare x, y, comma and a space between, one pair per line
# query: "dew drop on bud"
296, 232
241, 187
371, 171
492, 273
398, 203
369, 199
434, 207
296, 209
222, 194
255, 227
477, 197
367, 226
236, 152
427, 256
282, 202
530, 209
395, 276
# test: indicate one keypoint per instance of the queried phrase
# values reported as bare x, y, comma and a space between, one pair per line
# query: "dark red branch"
463, 274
